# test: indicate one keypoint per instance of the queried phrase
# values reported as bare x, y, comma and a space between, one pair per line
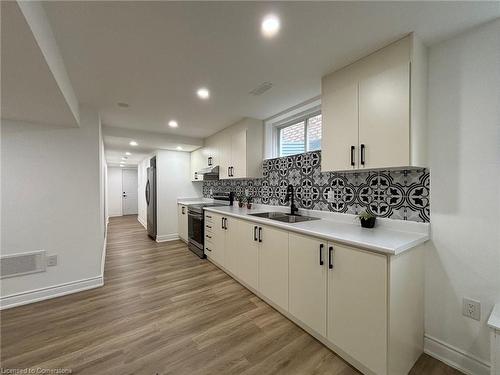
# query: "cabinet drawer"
209, 218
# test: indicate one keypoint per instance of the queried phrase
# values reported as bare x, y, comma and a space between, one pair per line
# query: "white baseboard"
167, 237
41, 294
455, 357
143, 223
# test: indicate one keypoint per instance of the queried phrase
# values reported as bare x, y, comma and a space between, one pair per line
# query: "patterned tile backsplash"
396, 194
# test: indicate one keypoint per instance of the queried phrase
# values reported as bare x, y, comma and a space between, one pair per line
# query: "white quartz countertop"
381, 239
494, 320
188, 201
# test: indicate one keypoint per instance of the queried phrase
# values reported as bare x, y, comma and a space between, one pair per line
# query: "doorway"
122, 191
129, 191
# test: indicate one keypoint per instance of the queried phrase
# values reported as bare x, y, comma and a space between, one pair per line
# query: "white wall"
463, 259
52, 199
173, 182
114, 191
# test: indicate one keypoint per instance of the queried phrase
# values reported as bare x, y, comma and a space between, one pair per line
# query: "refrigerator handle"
147, 193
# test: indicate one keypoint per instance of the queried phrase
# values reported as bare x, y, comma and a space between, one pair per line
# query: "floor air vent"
22, 264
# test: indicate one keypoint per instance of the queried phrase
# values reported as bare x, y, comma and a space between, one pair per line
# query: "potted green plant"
367, 219
241, 200
249, 202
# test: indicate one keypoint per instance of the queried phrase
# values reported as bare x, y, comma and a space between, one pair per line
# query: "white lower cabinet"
248, 254
357, 305
307, 281
215, 238
182, 222
273, 265
366, 306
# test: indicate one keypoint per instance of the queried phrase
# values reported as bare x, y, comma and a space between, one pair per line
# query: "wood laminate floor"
162, 310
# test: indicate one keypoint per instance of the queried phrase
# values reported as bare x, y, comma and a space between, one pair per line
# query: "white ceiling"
154, 55
30, 92
117, 143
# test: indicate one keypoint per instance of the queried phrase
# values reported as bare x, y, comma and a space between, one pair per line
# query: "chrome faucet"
290, 197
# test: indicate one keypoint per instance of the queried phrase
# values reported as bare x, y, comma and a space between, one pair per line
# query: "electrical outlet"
52, 260
246, 192
330, 196
211, 191
471, 309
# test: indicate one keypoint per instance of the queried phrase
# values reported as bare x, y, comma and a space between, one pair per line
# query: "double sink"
284, 217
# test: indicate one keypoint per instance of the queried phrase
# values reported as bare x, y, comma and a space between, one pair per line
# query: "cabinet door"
232, 245
307, 281
184, 226
339, 140
224, 155
238, 159
248, 254
384, 118
197, 163
357, 305
180, 221
273, 266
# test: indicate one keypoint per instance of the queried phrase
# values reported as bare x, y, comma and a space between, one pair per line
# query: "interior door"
384, 119
129, 191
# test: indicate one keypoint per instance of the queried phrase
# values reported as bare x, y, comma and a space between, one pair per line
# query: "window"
300, 135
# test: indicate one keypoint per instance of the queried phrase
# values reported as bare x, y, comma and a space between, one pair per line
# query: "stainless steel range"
196, 222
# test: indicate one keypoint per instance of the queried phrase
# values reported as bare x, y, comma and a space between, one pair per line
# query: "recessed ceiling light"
133, 143
123, 105
203, 93
121, 165
173, 124
270, 25
128, 153
179, 148
124, 158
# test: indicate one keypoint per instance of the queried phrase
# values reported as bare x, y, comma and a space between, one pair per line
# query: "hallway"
163, 310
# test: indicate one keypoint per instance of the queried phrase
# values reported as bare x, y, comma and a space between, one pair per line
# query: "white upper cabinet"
374, 110
197, 163
384, 127
339, 152
238, 149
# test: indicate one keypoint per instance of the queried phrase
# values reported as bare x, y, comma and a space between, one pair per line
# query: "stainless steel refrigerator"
151, 198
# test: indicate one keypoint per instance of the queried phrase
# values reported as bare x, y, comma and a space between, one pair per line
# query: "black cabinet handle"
225, 223
209, 216
209, 236
183, 210
209, 227
321, 254
362, 160
260, 234
195, 175
330, 257
222, 223
232, 171
352, 155
209, 161
255, 233
208, 249
229, 171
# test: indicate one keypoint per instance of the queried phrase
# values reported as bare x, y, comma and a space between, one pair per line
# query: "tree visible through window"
299, 137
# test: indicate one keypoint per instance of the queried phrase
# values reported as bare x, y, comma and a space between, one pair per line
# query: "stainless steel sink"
284, 217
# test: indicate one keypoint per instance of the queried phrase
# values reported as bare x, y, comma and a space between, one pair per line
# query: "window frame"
294, 120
